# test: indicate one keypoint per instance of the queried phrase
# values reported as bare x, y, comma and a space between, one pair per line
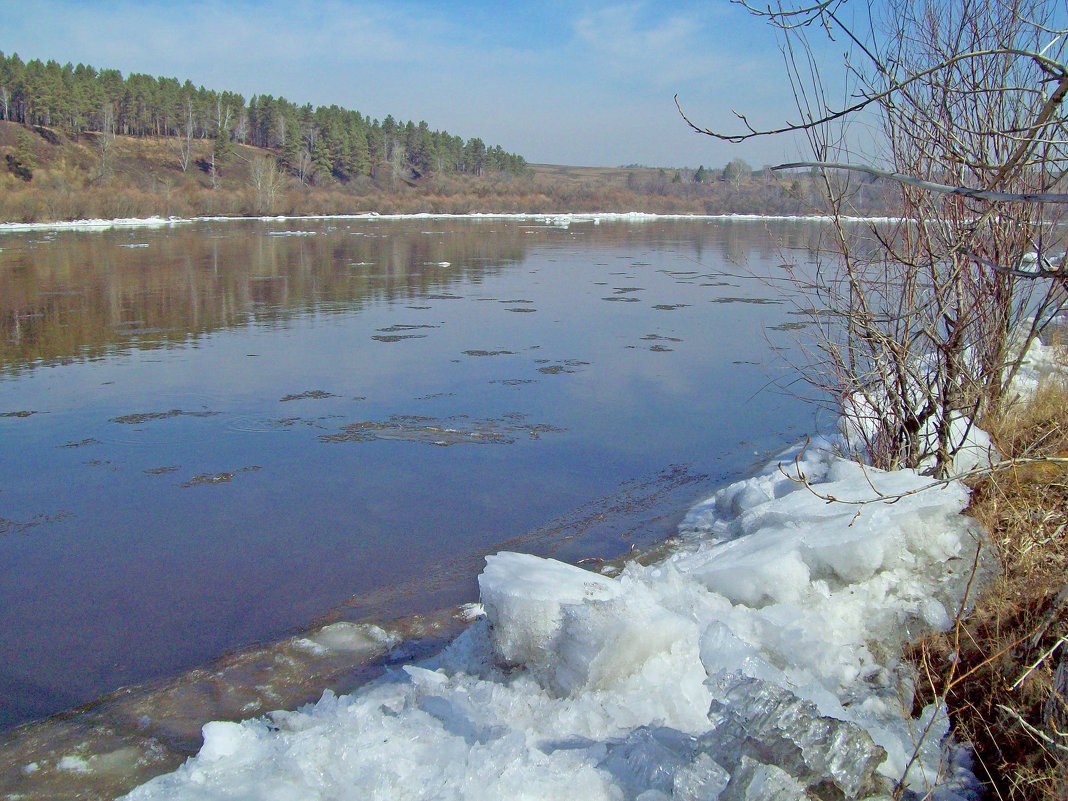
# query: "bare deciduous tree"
266, 181
922, 322
106, 139
184, 143
304, 167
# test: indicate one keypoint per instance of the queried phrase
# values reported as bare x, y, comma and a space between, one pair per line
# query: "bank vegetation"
48, 174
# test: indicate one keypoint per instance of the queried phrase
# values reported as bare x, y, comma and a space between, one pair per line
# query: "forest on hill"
312, 143
79, 142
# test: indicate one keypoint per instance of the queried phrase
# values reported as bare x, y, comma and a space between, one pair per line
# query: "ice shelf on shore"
93, 224
557, 219
760, 659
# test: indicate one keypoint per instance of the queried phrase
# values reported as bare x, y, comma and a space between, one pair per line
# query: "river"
219, 433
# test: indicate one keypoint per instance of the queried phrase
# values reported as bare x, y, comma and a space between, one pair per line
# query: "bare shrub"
921, 321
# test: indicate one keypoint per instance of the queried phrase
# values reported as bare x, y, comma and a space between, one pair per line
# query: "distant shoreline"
91, 225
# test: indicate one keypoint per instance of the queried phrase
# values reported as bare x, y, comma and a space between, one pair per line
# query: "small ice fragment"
703, 780
223, 739
754, 781
472, 611
347, 638
121, 760
310, 646
75, 764
934, 613
424, 678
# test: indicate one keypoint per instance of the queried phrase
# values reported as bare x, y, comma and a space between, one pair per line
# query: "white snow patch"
94, 224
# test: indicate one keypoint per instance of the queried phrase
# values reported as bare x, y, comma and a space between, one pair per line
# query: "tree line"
314, 144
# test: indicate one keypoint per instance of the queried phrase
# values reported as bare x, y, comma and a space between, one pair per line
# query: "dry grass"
1004, 659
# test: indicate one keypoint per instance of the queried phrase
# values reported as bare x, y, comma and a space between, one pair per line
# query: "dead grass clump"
999, 674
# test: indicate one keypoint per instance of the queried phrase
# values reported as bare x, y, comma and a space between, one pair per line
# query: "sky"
582, 83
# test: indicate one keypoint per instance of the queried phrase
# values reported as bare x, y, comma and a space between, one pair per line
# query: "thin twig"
1038, 662
1041, 735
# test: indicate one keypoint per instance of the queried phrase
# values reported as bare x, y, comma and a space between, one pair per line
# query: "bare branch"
1052, 66
946, 189
892, 498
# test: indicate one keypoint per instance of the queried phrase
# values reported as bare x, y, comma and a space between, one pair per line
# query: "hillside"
49, 174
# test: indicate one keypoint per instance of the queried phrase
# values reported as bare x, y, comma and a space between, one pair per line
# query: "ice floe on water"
760, 659
94, 224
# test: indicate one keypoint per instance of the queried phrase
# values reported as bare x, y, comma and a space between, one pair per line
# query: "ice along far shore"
552, 218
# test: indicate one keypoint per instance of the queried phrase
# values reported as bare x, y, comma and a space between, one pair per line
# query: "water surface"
216, 434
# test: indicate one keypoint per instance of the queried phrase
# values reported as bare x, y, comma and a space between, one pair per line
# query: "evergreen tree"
223, 147
340, 141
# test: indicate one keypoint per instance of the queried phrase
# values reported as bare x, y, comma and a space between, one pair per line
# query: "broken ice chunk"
830, 758
754, 781
702, 780
522, 596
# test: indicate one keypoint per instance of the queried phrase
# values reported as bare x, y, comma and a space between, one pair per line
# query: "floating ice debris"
446, 431
95, 224
145, 417
347, 638
309, 394
212, 479
75, 764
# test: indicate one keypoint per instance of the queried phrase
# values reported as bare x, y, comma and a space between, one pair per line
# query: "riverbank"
782, 609
1003, 668
69, 178
779, 612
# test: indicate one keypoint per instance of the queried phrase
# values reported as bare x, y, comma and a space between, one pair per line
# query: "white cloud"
663, 50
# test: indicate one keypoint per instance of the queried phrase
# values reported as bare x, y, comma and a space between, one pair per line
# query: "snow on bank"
759, 660
562, 219
93, 225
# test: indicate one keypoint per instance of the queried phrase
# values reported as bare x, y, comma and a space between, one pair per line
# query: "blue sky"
559, 82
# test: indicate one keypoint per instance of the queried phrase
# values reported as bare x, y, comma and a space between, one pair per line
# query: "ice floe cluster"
93, 224
760, 659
